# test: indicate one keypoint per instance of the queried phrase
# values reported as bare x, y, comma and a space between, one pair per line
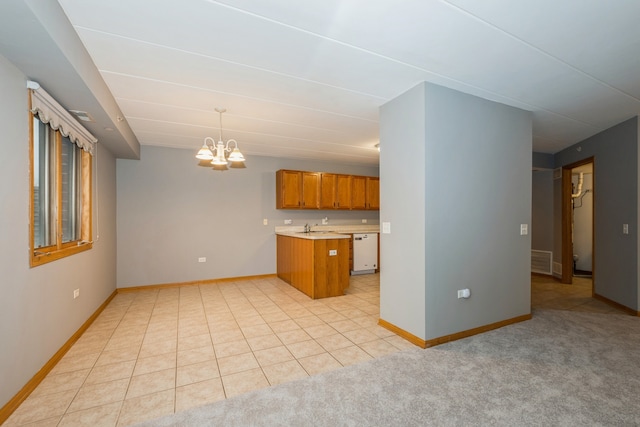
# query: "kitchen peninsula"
316, 262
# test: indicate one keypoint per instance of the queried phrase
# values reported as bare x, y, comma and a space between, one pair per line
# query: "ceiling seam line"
356, 156
532, 107
302, 107
542, 51
235, 94
229, 114
201, 55
237, 131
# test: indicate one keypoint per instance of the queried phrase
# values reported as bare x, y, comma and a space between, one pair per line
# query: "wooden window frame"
59, 250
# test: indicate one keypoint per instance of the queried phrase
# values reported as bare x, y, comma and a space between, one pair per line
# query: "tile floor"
152, 353
156, 352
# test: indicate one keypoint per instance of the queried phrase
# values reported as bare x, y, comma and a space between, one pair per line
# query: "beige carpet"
560, 368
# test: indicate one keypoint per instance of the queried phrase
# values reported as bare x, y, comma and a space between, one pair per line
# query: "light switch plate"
524, 229
386, 227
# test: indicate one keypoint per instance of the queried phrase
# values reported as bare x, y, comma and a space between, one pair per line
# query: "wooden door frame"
567, 243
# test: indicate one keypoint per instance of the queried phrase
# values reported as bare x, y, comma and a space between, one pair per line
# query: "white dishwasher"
365, 253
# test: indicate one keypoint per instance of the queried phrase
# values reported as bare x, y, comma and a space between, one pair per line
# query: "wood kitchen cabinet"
373, 193
335, 191
359, 192
320, 190
297, 190
365, 192
317, 268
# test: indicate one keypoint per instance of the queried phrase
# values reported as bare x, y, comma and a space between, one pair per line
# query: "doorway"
577, 221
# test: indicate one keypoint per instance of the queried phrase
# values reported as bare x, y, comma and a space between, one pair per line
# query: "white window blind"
49, 111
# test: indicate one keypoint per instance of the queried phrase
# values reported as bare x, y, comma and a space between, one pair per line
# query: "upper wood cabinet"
319, 190
359, 192
373, 193
335, 191
297, 190
310, 190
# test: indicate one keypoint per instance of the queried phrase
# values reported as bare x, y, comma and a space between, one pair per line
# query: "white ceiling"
305, 79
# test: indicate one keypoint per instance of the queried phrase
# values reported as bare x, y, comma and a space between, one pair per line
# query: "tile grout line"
94, 363
124, 398
240, 296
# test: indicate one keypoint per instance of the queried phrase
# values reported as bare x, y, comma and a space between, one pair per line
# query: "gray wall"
542, 210
474, 158
615, 257
402, 204
37, 311
542, 160
172, 212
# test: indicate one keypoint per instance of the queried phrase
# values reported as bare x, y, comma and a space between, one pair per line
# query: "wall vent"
557, 269
82, 115
541, 262
557, 173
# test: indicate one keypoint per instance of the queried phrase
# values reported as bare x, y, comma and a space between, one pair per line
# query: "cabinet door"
343, 191
288, 187
310, 190
328, 191
335, 191
358, 192
283, 257
373, 193
302, 260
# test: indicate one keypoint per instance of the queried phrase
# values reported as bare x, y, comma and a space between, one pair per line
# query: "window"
61, 189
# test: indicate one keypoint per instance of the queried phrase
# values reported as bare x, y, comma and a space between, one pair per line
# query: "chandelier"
220, 154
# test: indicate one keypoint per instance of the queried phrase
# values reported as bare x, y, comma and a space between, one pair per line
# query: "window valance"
52, 113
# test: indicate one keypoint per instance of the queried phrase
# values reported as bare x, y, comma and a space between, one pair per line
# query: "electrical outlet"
524, 229
202, 259
464, 293
288, 221
76, 293
333, 252
625, 228
265, 221
364, 221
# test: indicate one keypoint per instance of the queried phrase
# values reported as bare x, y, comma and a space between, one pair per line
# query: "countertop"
319, 232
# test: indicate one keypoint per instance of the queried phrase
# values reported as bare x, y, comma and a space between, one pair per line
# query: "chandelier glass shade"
220, 154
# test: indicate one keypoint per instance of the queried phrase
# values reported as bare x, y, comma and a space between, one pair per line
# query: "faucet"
307, 228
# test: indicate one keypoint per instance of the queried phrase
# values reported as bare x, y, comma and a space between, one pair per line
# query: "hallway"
547, 293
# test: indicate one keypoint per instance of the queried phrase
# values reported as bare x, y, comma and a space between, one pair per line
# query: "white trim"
541, 262
49, 111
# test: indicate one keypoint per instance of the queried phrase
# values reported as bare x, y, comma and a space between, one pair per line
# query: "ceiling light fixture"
213, 153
